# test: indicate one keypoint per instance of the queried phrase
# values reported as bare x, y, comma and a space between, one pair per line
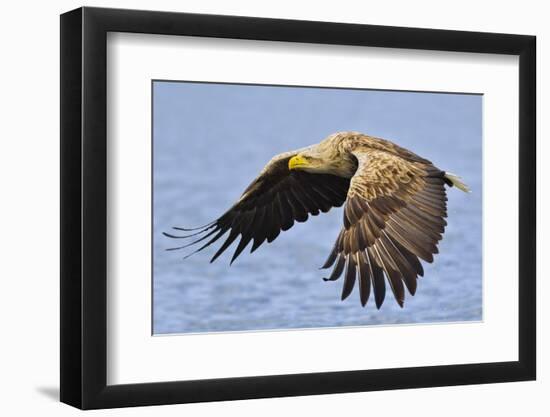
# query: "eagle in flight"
394, 210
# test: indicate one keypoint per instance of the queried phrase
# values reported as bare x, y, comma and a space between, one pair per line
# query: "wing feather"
363, 277
350, 276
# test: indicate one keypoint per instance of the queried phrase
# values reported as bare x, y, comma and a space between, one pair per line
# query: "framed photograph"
257, 208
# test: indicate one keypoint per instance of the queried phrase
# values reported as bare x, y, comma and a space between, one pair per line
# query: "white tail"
457, 182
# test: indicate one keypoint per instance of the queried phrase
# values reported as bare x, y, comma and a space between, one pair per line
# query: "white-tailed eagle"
394, 210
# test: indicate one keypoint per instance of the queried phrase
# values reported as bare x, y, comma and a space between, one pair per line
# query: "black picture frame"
84, 207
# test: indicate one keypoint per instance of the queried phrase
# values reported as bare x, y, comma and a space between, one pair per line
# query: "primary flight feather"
394, 213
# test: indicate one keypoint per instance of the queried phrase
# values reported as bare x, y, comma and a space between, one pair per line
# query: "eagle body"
394, 210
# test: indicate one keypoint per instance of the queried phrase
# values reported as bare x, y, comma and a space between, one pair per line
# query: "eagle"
395, 205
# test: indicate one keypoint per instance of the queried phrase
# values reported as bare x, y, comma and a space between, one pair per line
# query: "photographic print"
240, 188
296, 207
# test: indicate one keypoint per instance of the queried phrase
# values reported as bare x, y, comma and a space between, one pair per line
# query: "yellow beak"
297, 161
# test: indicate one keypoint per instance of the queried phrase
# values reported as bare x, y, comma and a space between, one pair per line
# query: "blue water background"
211, 140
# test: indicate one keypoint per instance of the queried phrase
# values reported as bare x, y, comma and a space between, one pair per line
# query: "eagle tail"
457, 182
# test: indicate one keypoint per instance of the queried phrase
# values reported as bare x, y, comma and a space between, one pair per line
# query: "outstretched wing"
272, 202
394, 215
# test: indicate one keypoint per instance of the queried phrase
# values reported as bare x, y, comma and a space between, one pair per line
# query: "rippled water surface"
211, 140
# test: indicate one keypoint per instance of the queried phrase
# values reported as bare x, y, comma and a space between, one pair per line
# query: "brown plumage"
394, 213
